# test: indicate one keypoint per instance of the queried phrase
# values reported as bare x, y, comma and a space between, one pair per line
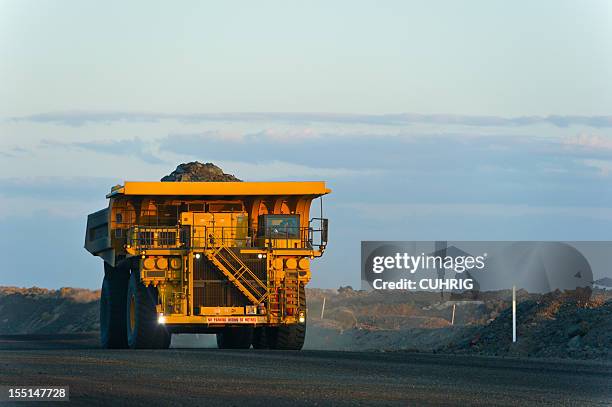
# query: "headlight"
162, 263
161, 319
149, 263
302, 317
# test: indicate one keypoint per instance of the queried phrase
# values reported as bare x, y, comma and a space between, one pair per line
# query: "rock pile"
567, 324
554, 325
198, 172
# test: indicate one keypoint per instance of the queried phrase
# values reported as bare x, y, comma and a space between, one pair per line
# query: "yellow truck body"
230, 258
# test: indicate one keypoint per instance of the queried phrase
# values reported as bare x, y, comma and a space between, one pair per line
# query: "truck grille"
212, 289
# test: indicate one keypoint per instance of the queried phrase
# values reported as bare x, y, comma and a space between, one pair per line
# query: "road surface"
210, 377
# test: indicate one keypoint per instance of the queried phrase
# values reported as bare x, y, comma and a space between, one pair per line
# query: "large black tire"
235, 338
259, 338
143, 330
113, 334
288, 337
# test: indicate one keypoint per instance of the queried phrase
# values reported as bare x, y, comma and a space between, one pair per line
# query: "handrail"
206, 237
244, 267
236, 273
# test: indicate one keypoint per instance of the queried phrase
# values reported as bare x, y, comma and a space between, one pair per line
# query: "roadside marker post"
513, 314
323, 308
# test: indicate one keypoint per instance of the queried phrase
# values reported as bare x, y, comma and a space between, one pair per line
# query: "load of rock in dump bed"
198, 172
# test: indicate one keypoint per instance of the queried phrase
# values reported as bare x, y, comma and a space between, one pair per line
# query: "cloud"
52, 188
287, 135
135, 147
590, 141
282, 170
12, 208
80, 118
386, 212
454, 156
253, 155
327, 150
13, 152
604, 166
44, 198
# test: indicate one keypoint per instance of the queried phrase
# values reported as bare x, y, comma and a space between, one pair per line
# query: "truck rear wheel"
288, 337
113, 333
143, 330
235, 338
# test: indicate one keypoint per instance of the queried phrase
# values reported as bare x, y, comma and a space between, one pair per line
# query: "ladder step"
257, 292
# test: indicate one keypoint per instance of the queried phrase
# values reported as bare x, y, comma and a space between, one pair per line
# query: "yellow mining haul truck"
230, 258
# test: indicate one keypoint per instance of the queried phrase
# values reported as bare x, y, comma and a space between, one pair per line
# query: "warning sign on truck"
235, 320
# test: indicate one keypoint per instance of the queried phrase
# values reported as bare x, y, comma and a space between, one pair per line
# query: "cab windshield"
281, 226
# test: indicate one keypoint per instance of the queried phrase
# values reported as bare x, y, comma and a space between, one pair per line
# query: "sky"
480, 120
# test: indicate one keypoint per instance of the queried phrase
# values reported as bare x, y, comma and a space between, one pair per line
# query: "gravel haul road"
267, 378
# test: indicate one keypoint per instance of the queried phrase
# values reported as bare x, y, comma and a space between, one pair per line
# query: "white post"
323, 308
453, 317
513, 314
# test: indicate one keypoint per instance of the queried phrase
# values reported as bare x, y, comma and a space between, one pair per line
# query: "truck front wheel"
143, 329
112, 305
288, 337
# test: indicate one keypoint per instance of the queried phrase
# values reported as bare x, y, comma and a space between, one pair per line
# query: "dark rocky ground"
213, 377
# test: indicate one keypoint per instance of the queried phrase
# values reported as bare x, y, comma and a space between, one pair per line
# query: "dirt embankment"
553, 325
575, 324
43, 311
